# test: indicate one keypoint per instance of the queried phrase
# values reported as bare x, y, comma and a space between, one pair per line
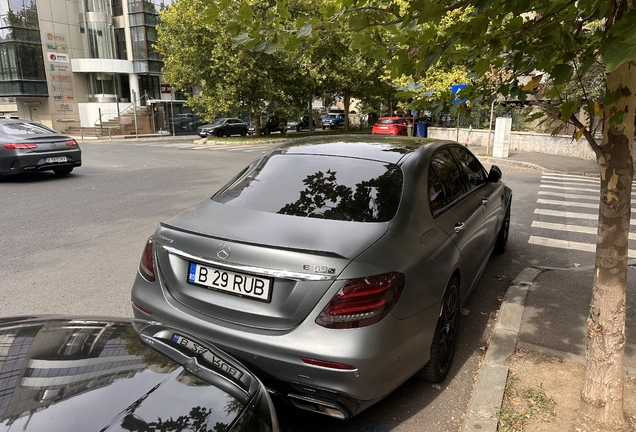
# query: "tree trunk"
603, 388
347, 103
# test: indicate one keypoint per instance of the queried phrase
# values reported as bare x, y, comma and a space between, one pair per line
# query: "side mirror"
495, 174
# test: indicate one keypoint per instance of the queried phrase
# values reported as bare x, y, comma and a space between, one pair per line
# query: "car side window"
436, 195
449, 175
475, 173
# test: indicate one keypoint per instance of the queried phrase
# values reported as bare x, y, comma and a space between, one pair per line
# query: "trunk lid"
300, 257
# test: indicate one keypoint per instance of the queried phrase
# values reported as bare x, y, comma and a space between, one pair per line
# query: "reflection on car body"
371, 244
87, 374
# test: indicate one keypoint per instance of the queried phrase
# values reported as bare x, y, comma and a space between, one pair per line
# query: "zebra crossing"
566, 215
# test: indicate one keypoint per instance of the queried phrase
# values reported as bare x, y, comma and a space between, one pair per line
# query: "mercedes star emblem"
223, 251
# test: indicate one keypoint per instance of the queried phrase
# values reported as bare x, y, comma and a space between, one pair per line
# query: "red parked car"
390, 126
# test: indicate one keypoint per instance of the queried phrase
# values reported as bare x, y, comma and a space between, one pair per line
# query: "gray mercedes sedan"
333, 267
27, 146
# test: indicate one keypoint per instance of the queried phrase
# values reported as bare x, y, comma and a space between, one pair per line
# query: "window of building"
21, 58
121, 51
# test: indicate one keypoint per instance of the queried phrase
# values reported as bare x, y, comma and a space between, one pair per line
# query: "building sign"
62, 107
61, 88
54, 37
57, 57
55, 47
165, 88
62, 98
59, 67
61, 77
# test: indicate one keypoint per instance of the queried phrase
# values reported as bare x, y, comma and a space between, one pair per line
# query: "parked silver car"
334, 267
27, 146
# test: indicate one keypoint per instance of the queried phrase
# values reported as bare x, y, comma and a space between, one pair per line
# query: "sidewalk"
544, 310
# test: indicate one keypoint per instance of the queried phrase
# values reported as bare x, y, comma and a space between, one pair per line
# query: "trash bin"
409, 130
422, 130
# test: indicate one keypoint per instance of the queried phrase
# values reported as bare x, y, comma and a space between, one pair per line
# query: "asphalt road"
72, 245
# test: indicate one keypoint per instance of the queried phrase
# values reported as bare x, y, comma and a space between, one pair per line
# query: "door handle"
459, 227
484, 201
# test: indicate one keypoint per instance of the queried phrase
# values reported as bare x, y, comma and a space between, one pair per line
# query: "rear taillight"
147, 264
71, 143
19, 146
362, 301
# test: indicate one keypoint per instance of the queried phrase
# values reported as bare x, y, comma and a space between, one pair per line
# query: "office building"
71, 63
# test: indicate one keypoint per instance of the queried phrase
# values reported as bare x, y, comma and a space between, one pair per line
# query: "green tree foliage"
232, 79
540, 47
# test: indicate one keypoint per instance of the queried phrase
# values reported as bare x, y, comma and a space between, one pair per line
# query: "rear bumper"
21, 162
385, 354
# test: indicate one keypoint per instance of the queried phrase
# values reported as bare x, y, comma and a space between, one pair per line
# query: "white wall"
562, 145
89, 112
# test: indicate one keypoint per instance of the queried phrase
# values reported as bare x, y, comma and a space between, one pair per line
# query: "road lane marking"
571, 228
568, 204
569, 188
569, 245
572, 196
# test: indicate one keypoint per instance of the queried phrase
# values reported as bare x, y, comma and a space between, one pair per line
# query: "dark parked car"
274, 124
80, 374
335, 266
223, 127
306, 123
26, 146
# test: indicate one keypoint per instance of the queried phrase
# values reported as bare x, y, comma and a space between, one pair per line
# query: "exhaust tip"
328, 408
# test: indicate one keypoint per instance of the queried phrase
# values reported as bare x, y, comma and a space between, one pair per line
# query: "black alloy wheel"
502, 237
299, 128
243, 132
445, 338
266, 130
219, 133
283, 131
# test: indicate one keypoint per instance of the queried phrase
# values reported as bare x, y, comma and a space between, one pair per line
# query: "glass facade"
99, 39
22, 71
144, 17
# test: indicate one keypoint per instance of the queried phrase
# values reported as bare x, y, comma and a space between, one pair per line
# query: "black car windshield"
23, 128
326, 187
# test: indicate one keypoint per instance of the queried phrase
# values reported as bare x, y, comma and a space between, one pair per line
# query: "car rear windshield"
326, 187
22, 128
390, 121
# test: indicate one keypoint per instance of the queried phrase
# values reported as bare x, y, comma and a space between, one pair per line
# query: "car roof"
380, 148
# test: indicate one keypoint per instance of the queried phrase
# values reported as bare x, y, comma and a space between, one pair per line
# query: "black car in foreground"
26, 146
112, 374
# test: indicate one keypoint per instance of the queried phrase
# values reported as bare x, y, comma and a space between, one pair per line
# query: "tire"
445, 338
298, 128
323, 128
243, 132
283, 131
266, 131
63, 171
219, 133
502, 237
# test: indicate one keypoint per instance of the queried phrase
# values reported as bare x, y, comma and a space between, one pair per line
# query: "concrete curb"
531, 166
489, 389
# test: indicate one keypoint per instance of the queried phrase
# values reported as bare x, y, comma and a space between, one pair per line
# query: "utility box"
501, 146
